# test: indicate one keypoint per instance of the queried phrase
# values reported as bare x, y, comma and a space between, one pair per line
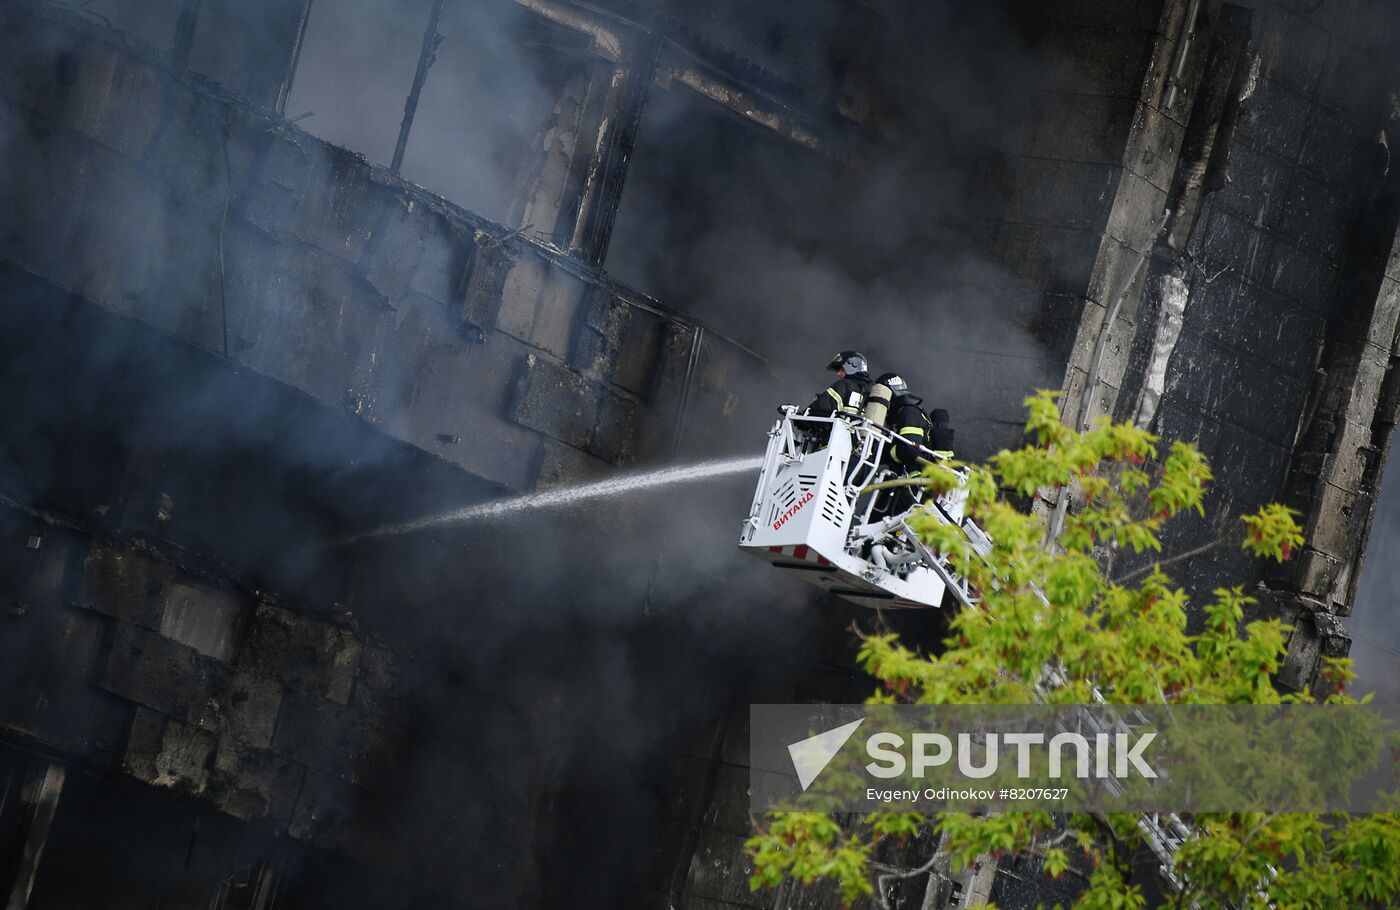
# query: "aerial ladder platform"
814, 514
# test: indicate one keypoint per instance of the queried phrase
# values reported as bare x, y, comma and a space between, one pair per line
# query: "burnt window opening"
783, 249
483, 102
171, 856
779, 244
500, 111
712, 198
355, 70
245, 47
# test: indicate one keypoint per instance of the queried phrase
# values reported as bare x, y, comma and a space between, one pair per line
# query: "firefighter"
845, 396
907, 421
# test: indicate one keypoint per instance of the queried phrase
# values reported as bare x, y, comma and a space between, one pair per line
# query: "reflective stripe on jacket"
844, 396
911, 425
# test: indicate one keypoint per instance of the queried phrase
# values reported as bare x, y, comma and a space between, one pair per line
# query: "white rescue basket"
809, 516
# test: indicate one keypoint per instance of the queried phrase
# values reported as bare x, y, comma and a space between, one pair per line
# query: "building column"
38, 802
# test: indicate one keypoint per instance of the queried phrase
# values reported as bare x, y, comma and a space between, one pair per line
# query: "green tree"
1125, 638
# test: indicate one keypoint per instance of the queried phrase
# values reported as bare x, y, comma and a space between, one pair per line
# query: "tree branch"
881, 881
1171, 559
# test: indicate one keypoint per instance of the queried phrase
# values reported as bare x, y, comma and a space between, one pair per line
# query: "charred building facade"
276, 274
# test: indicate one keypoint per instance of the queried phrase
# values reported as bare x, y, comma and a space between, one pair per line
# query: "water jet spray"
569, 496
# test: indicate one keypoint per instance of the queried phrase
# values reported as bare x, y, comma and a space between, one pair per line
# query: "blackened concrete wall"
1286, 338
1270, 253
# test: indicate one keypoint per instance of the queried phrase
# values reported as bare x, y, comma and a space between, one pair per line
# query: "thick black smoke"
571, 669
887, 246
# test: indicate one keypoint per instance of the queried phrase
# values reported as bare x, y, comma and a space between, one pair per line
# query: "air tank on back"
877, 403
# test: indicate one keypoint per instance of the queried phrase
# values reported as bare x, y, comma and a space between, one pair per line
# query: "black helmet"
938, 417
850, 361
894, 382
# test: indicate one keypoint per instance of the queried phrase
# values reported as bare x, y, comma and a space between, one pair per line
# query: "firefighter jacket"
845, 396
908, 421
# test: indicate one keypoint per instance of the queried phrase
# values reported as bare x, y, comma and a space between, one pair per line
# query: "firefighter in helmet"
845, 396
906, 419
910, 426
